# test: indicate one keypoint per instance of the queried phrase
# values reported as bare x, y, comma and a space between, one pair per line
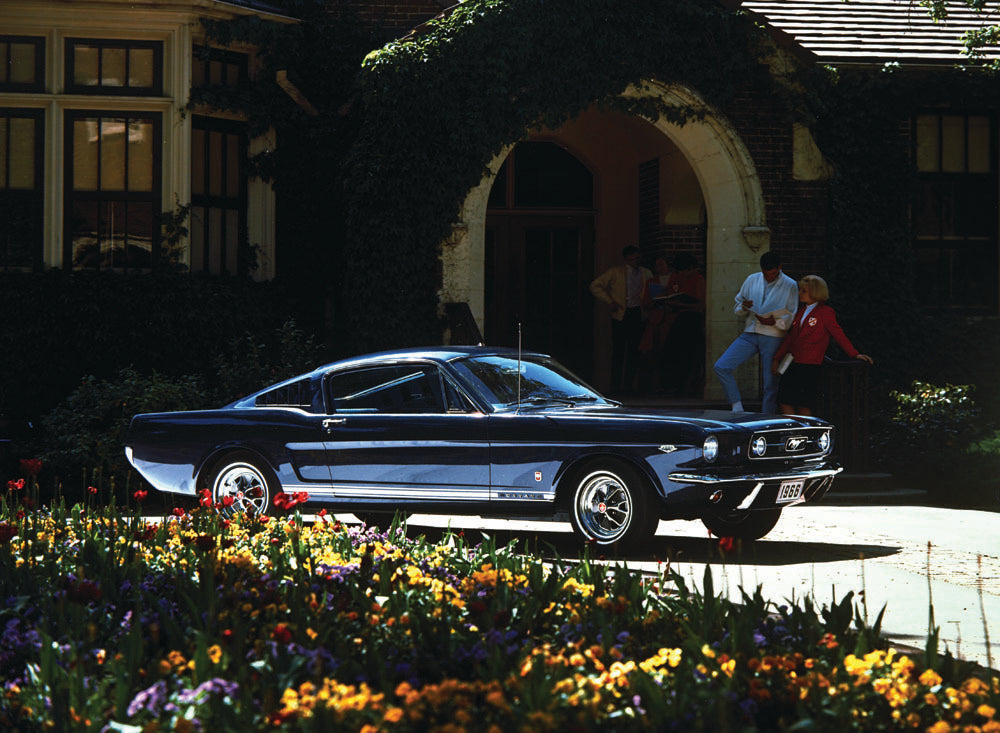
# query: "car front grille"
785, 443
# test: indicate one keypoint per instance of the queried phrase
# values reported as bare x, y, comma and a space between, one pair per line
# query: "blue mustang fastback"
490, 431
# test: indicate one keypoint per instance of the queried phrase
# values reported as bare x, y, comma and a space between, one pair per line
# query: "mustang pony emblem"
795, 444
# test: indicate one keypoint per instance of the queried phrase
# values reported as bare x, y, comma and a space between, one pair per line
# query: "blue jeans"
744, 348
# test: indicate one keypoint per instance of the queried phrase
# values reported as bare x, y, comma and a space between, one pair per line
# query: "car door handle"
330, 422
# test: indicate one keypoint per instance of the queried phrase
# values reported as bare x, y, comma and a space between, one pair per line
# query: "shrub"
85, 434
256, 360
935, 437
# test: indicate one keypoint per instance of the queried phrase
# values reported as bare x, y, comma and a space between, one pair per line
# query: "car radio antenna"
518, 367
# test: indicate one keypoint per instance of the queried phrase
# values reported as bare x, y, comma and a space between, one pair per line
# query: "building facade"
98, 148
100, 156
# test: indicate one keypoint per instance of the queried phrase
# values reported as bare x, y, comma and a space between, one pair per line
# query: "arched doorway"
539, 253
721, 172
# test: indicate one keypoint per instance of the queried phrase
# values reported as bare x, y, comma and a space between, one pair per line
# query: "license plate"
789, 491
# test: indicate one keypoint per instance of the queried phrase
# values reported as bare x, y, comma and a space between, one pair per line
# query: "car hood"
708, 419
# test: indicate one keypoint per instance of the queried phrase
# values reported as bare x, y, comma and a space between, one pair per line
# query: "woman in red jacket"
807, 341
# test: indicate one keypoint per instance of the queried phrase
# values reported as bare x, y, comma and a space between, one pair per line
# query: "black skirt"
801, 386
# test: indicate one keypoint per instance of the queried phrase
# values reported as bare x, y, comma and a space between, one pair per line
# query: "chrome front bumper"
806, 473
756, 490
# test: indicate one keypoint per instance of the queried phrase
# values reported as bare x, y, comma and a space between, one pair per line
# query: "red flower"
178, 511
227, 501
285, 501
91, 490
147, 533
206, 497
728, 544
85, 591
7, 533
31, 466
15, 485
281, 634
140, 495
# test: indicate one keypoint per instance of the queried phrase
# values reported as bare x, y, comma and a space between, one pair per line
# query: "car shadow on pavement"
566, 546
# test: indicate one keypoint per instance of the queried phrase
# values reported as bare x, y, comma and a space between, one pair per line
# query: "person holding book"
684, 349
657, 323
767, 300
804, 347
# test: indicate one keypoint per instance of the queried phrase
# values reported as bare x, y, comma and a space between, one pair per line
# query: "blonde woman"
807, 340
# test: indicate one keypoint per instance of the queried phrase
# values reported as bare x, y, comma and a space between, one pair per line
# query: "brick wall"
393, 17
796, 210
664, 240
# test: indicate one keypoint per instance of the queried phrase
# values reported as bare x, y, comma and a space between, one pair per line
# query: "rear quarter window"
300, 395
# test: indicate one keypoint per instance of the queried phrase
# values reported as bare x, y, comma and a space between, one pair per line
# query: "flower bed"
198, 622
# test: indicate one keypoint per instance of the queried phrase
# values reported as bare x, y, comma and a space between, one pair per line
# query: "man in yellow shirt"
621, 288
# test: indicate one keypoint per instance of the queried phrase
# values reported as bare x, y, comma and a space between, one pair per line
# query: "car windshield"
508, 382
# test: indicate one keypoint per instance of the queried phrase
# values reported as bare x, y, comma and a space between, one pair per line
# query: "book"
785, 361
676, 300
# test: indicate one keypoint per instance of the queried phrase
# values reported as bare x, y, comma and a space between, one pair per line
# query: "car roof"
437, 354
429, 353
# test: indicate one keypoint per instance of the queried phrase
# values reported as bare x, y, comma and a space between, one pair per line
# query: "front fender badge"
668, 448
538, 475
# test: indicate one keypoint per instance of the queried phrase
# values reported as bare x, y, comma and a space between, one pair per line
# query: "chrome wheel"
240, 487
610, 506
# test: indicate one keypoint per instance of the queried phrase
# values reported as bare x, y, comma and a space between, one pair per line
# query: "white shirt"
778, 298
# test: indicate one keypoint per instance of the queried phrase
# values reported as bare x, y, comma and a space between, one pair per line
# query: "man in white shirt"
621, 288
768, 300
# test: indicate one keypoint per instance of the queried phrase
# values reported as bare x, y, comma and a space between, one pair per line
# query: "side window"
389, 389
454, 400
297, 394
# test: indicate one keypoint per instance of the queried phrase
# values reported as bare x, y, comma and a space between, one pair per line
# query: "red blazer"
809, 340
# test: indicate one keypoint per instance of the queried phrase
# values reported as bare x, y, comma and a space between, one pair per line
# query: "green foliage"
174, 230
86, 432
256, 360
438, 105
321, 56
84, 436
60, 327
937, 438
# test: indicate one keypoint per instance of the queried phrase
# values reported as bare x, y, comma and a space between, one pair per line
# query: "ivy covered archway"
440, 105
736, 218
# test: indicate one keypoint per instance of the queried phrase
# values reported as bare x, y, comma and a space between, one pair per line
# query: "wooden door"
538, 271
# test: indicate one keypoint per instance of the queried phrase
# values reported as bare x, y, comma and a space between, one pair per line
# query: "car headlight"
758, 446
710, 449
824, 441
